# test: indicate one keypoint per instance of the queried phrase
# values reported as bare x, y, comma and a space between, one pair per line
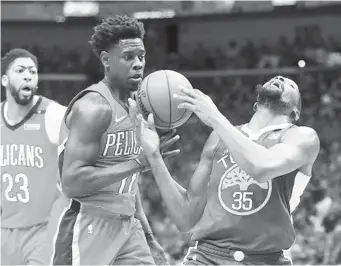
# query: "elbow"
70, 186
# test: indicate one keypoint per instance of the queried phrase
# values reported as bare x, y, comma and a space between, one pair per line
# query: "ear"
104, 56
255, 107
4, 80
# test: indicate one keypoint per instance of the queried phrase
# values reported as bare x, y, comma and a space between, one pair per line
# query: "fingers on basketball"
151, 123
132, 111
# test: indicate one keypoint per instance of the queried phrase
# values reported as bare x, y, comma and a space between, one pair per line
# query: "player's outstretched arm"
185, 206
298, 150
89, 118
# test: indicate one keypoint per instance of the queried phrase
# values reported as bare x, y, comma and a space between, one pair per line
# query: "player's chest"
28, 132
235, 190
120, 139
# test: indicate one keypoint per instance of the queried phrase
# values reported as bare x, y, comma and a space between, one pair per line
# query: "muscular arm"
185, 206
298, 150
140, 214
90, 117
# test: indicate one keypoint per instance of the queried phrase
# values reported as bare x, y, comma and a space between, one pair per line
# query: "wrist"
217, 120
154, 156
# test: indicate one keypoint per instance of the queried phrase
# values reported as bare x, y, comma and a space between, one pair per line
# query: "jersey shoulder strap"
99, 87
283, 131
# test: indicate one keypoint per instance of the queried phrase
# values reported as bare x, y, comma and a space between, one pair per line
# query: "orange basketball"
156, 96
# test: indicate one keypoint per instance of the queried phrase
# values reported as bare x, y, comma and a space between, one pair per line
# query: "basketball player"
30, 126
102, 161
249, 180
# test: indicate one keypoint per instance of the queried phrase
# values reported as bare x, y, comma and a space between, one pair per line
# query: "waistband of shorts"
42, 224
96, 211
227, 253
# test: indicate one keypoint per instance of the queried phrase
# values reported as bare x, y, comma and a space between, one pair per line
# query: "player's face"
127, 62
21, 80
283, 101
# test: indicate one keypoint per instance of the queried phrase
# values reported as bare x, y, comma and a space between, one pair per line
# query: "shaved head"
280, 95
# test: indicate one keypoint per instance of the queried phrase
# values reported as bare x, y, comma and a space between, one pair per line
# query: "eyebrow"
26, 66
133, 50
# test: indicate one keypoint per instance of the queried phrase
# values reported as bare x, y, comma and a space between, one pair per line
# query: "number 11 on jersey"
127, 183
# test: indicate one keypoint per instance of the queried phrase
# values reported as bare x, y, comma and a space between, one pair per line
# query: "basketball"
156, 96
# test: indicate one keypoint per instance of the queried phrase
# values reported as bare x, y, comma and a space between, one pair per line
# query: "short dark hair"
13, 54
114, 29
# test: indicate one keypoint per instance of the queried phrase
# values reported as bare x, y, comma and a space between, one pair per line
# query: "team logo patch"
274, 136
240, 194
32, 127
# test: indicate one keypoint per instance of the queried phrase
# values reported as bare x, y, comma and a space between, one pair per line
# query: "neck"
263, 118
16, 112
118, 90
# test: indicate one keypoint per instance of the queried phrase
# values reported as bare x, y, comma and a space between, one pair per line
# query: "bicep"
286, 158
299, 148
86, 129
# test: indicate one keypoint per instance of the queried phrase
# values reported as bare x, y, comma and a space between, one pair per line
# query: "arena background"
224, 48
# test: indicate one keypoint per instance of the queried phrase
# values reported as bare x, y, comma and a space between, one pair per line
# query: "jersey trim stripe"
189, 252
68, 233
26, 118
75, 246
57, 232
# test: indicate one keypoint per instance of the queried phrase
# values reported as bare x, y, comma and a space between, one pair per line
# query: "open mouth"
26, 91
137, 77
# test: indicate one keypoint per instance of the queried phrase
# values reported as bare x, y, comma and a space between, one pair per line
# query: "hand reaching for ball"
148, 137
198, 103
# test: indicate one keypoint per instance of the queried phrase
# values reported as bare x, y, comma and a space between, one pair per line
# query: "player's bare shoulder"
92, 112
305, 137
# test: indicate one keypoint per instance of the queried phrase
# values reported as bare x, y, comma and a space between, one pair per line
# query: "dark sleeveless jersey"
243, 214
118, 144
29, 167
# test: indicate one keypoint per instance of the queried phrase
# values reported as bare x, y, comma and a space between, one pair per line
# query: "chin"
134, 86
24, 101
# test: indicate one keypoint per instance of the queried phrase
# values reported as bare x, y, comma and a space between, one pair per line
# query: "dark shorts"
204, 254
84, 239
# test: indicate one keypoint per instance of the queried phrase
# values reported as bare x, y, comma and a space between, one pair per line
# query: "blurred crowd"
307, 45
318, 217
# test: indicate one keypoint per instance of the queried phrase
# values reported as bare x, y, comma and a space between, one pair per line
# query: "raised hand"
199, 103
148, 137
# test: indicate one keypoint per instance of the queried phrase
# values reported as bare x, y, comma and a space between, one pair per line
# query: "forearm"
174, 195
140, 215
246, 153
80, 181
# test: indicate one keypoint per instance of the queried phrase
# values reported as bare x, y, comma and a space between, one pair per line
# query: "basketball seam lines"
154, 113
183, 114
170, 102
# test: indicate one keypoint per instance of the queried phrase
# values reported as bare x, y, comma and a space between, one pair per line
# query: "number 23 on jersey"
15, 188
